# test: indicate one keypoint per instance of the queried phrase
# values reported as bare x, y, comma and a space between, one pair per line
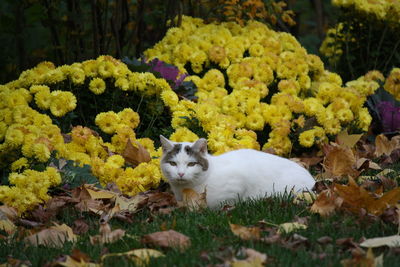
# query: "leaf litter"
338, 162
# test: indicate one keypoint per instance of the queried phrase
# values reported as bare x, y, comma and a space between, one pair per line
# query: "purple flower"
168, 72
390, 116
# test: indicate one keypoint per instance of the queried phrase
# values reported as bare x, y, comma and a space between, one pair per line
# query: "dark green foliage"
368, 44
73, 175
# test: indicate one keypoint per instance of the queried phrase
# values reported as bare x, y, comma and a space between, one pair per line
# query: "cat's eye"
172, 163
191, 164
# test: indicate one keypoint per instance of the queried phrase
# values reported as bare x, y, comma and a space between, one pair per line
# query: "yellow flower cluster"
392, 83
331, 47
31, 135
386, 10
245, 66
30, 188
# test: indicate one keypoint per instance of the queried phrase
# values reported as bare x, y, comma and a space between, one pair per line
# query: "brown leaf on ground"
365, 164
80, 227
107, 235
162, 202
367, 260
84, 200
246, 233
135, 154
392, 215
324, 240
307, 162
356, 198
69, 261
254, 258
55, 236
326, 203
339, 161
167, 239
7, 225
10, 212
348, 140
384, 146
193, 200
141, 257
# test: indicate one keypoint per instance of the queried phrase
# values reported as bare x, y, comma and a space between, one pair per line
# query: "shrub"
257, 88
365, 37
48, 111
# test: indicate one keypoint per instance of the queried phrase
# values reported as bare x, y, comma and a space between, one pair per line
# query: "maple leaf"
339, 161
135, 155
167, 239
245, 233
326, 203
356, 198
385, 147
348, 140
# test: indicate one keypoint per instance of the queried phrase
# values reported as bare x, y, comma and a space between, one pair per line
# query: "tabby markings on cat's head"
197, 155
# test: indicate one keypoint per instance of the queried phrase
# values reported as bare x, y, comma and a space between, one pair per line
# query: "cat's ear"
165, 143
200, 146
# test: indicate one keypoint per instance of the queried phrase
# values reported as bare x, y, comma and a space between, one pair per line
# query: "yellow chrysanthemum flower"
97, 86
107, 121
129, 117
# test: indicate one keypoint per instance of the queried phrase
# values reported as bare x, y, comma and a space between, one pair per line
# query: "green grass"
210, 234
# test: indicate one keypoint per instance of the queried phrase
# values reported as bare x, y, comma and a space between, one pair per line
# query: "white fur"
238, 174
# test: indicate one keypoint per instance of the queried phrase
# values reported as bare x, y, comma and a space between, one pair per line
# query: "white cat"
238, 174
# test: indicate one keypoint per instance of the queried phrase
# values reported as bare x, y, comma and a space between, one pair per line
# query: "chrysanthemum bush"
258, 89
46, 99
365, 37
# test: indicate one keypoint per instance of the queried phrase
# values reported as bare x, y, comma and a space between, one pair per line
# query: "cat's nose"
181, 174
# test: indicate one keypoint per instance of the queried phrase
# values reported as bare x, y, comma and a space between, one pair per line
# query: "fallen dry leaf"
80, 227
339, 161
130, 204
135, 155
140, 257
161, 202
7, 225
348, 140
384, 146
71, 262
10, 212
96, 193
365, 164
390, 241
356, 198
245, 233
290, 227
304, 197
367, 260
193, 200
254, 259
326, 203
106, 235
167, 239
55, 236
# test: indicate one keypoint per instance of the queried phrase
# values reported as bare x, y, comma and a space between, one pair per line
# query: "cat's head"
183, 163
